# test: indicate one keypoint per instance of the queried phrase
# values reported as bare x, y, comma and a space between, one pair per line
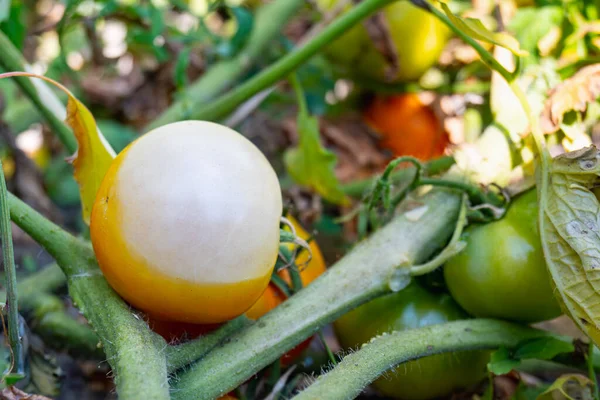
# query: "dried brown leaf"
12, 393
573, 94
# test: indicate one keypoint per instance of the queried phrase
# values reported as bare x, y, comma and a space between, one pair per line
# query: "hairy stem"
359, 369
17, 370
186, 353
268, 23
368, 271
11, 60
134, 352
227, 103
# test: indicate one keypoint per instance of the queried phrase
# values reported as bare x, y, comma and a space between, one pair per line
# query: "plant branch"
17, 368
227, 103
269, 20
135, 353
11, 60
366, 272
434, 167
359, 369
186, 353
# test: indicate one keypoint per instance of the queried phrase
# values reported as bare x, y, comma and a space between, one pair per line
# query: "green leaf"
569, 387
501, 362
544, 348
475, 28
4, 10
183, 60
530, 25
310, 164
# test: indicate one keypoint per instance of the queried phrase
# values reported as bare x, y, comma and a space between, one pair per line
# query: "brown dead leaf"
573, 94
12, 393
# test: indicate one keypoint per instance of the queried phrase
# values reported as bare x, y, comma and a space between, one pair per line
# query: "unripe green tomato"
414, 307
418, 38
502, 272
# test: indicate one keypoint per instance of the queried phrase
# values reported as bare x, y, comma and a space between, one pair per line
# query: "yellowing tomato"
272, 297
407, 126
185, 224
418, 39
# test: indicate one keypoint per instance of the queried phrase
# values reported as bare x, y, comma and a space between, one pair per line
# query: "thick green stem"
227, 103
186, 353
268, 23
17, 370
434, 167
60, 330
134, 352
48, 280
371, 269
11, 60
359, 369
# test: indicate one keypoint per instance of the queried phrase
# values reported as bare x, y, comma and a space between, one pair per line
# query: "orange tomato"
407, 126
272, 297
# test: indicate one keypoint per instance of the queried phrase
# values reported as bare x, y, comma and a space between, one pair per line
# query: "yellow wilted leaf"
93, 156
474, 28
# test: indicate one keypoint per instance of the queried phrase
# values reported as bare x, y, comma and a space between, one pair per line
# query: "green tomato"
418, 38
502, 272
414, 307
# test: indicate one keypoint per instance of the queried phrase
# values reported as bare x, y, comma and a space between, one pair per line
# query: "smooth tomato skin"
184, 214
418, 38
406, 126
414, 307
502, 272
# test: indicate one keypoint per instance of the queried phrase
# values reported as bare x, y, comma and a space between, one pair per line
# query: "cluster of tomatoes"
186, 228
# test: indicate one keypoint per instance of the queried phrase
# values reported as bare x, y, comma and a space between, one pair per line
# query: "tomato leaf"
310, 164
570, 233
544, 348
94, 155
569, 387
501, 362
475, 28
574, 93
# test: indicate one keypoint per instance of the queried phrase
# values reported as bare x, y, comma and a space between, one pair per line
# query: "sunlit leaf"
475, 28
569, 387
570, 230
310, 164
94, 155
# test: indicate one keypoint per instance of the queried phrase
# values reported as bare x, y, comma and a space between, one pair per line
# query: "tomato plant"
406, 126
418, 39
502, 272
414, 307
186, 213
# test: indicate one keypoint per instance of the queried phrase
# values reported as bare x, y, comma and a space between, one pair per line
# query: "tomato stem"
16, 371
359, 369
228, 102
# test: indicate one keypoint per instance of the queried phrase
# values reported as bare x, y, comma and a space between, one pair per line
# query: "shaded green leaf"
501, 362
569, 387
544, 348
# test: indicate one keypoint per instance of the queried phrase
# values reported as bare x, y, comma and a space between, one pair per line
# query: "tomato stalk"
227, 103
368, 271
268, 23
16, 371
359, 369
133, 351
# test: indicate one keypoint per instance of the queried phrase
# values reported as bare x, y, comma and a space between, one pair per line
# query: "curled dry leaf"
12, 393
570, 233
573, 94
